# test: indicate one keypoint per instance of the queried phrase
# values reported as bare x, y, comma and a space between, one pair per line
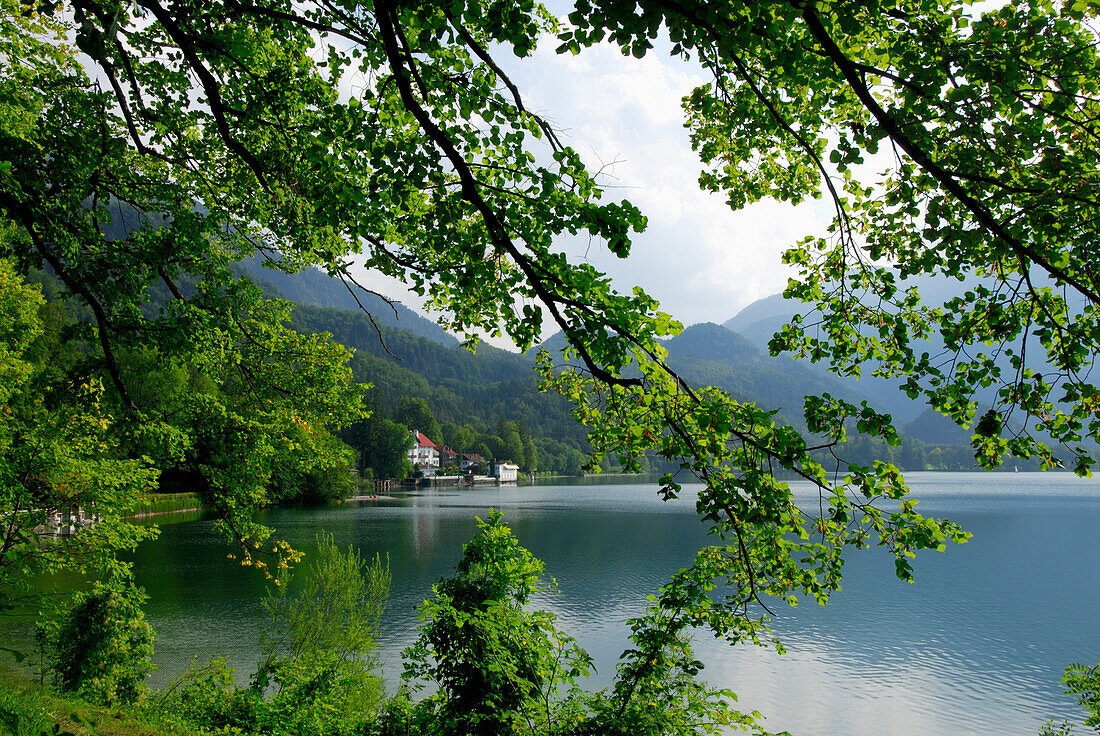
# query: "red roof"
423, 441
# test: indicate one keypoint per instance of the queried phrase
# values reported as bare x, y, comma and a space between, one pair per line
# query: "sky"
702, 261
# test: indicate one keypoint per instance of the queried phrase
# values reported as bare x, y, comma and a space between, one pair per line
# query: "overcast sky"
702, 261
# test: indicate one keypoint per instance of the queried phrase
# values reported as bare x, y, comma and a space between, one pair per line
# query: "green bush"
320, 645
500, 669
208, 697
504, 670
319, 675
311, 487
101, 646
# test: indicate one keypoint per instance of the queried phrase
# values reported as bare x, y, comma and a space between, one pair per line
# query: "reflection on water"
976, 646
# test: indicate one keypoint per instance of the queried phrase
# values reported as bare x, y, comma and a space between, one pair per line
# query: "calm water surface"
976, 646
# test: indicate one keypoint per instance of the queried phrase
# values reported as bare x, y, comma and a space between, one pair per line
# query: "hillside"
316, 288
482, 390
310, 286
763, 318
711, 355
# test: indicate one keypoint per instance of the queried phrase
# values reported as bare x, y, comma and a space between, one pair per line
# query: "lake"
976, 646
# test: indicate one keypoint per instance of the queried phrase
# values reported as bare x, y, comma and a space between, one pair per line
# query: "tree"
530, 455
127, 241
438, 174
1084, 682
101, 646
507, 445
57, 455
414, 413
497, 666
383, 446
503, 669
320, 644
459, 438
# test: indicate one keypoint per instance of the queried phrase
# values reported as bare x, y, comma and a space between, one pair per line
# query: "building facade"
424, 454
506, 472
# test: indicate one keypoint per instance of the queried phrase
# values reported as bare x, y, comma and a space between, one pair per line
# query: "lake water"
976, 646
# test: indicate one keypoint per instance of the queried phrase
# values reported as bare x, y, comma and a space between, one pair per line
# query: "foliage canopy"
230, 128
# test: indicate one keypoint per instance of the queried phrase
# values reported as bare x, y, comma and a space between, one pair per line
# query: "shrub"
163, 503
101, 647
503, 670
208, 697
318, 675
499, 668
320, 645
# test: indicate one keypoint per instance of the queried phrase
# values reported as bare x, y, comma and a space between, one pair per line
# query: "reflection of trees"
608, 561
188, 567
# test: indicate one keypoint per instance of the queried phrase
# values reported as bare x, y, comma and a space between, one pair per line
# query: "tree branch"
923, 159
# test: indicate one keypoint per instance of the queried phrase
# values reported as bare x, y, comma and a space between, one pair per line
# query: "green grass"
29, 709
164, 503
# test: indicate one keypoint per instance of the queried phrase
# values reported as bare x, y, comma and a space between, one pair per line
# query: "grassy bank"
166, 503
29, 709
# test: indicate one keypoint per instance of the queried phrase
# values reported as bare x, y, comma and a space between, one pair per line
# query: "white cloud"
700, 259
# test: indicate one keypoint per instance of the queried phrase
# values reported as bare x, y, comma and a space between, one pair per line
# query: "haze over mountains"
761, 319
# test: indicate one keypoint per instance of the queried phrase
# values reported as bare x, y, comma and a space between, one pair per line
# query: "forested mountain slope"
314, 287
711, 355
485, 389
461, 387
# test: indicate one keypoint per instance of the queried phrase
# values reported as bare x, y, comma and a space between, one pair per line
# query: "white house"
506, 472
424, 454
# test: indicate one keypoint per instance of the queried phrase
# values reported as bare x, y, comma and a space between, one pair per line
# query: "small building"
506, 472
471, 460
447, 456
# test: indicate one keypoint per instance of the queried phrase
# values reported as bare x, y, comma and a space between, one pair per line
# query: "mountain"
759, 321
403, 355
483, 390
712, 355
315, 287
711, 342
931, 426
310, 286
763, 318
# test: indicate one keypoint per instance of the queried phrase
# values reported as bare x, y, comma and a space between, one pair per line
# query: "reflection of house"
424, 454
471, 459
506, 471
68, 521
